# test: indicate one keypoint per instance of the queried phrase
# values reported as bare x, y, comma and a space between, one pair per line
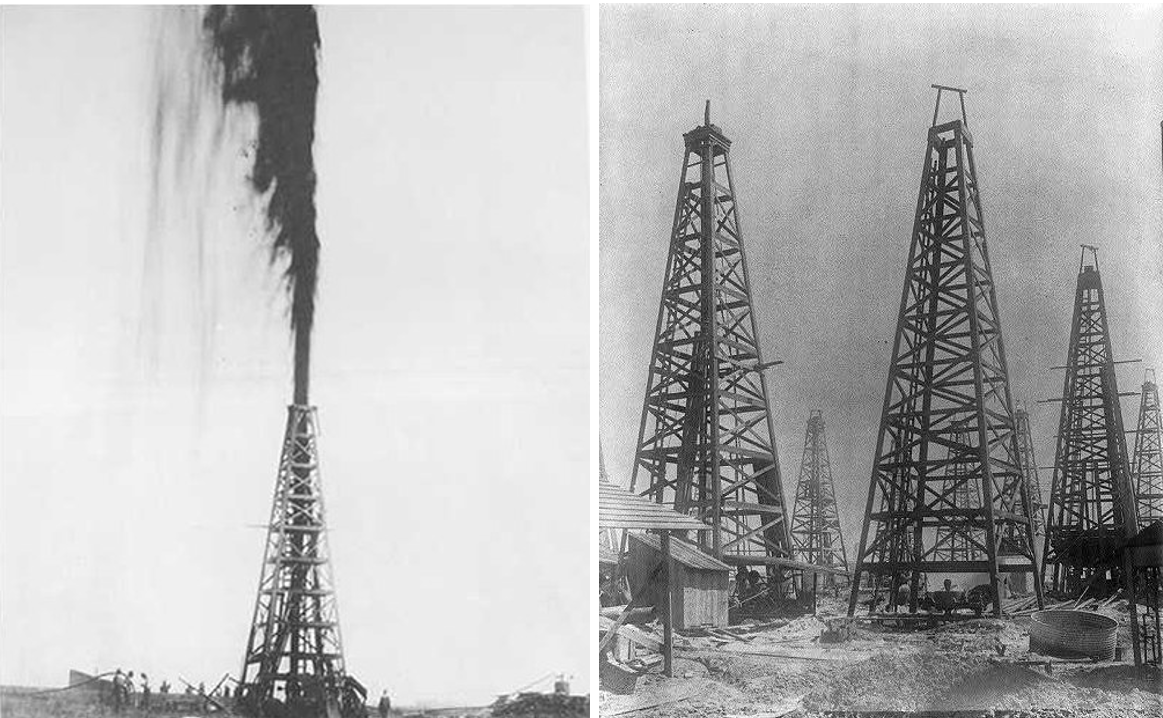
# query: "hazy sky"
828, 108
145, 379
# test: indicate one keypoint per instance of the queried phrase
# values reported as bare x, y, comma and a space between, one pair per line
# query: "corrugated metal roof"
619, 508
685, 553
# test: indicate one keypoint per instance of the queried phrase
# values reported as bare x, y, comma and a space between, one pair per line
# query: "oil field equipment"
706, 445
947, 407
1147, 461
815, 525
1092, 507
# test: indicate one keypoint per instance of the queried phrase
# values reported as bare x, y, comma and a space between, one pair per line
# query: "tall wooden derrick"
1147, 464
294, 654
1092, 507
706, 442
1030, 468
947, 408
815, 526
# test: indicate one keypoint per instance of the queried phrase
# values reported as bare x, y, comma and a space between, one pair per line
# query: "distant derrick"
815, 526
958, 539
1030, 469
1147, 466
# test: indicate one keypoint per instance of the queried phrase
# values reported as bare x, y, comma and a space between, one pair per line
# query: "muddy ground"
973, 665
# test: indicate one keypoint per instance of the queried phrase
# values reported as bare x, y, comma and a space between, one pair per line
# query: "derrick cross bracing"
1147, 464
706, 442
815, 525
294, 652
955, 538
947, 404
1092, 507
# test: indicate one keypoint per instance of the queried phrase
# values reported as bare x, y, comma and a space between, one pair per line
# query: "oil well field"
981, 583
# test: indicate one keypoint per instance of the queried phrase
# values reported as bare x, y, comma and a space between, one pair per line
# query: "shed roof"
685, 553
619, 508
745, 560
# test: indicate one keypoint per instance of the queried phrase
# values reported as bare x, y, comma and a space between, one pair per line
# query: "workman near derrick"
144, 692
385, 705
118, 691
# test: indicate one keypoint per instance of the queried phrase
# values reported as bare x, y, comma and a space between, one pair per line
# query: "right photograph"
918, 251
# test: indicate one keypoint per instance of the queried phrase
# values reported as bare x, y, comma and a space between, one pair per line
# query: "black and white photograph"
295, 366
880, 313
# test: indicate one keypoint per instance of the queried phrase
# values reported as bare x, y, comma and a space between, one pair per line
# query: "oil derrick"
1030, 469
1147, 466
947, 379
815, 525
1092, 507
706, 442
294, 654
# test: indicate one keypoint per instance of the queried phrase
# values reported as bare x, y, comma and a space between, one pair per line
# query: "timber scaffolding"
948, 430
706, 444
815, 528
1092, 508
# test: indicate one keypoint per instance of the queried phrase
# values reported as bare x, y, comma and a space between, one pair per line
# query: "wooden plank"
745, 650
641, 638
668, 608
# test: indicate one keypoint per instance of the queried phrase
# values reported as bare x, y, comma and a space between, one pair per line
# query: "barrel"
1073, 634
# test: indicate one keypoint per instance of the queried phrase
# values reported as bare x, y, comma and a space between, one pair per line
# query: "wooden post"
815, 590
668, 608
1129, 585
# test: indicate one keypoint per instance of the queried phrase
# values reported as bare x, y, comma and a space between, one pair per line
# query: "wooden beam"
668, 609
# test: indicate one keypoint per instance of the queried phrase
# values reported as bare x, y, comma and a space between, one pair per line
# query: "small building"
623, 510
701, 582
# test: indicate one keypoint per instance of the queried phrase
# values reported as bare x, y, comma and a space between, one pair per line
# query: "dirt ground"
978, 664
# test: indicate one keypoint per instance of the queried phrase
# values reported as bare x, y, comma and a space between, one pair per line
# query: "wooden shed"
620, 509
701, 583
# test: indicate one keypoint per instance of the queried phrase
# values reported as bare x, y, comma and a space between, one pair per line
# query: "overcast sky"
145, 379
828, 108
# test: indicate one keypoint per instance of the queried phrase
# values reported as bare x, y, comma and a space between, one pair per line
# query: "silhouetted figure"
118, 691
144, 692
385, 705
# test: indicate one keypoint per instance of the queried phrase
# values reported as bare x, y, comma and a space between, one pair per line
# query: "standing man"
385, 704
144, 692
118, 688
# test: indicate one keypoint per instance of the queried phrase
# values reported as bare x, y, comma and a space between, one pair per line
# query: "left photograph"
294, 339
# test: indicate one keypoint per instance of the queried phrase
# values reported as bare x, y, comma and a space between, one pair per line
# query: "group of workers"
749, 584
125, 696
135, 693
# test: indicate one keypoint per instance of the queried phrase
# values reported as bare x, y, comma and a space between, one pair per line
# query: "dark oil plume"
268, 60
